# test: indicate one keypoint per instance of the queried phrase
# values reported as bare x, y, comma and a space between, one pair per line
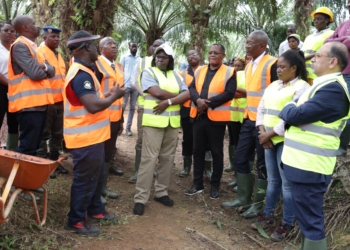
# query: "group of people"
284, 116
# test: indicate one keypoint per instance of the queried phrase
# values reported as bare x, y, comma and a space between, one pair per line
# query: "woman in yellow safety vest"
292, 83
164, 91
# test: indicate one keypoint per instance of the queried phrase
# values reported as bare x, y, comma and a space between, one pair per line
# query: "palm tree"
149, 19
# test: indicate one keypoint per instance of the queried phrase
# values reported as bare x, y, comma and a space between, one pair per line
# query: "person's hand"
117, 91
202, 105
161, 106
121, 129
263, 137
268, 145
42, 65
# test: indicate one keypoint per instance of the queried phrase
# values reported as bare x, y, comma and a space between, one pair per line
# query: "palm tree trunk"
302, 11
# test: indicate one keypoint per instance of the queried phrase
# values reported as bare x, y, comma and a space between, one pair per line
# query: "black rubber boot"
187, 161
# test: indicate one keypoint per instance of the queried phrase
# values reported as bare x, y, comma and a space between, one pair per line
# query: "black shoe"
82, 228
165, 200
61, 169
53, 176
214, 193
193, 190
139, 208
116, 171
103, 216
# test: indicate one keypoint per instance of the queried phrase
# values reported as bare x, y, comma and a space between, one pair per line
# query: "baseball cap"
79, 39
167, 49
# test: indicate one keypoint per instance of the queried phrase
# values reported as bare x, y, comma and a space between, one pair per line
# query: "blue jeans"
277, 183
132, 94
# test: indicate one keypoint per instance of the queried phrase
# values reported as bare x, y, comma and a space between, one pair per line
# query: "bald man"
312, 140
110, 73
259, 73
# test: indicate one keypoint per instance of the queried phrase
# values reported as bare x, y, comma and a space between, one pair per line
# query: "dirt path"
159, 228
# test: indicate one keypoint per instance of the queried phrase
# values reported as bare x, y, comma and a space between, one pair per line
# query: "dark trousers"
110, 143
308, 202
247, 144
12, 123
234, 128
187, 136
205, 133
31, 129
87, 182
53, 132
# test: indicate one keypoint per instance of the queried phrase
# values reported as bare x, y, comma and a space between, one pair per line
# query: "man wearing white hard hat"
322, 16
164, 91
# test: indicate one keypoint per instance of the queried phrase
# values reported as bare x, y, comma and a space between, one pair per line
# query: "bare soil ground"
159, 228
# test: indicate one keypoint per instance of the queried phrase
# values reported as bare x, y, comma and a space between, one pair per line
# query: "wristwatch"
169, 102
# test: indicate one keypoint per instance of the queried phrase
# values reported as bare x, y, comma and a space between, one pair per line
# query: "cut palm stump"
26, 173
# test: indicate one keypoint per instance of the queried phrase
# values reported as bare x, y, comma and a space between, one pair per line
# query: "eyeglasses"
8, 31
214, 53
191, 56
319, 55
162, 58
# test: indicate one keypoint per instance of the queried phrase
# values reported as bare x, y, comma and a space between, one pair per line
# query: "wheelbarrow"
26, 173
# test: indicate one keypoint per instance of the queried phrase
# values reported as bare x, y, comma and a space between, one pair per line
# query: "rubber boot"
207, 164
133, 178
12, 142
187, 160
103, 200
314, 244
245, 183
231, 166
259, 196
105, 192
232, 184
302, 242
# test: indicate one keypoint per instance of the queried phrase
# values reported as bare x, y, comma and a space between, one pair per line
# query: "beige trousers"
157, 143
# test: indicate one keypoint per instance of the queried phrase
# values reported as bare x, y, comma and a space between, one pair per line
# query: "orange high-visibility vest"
111, 77
56, 82
24, 92
257, 83
187, 79
82, 128
216, 87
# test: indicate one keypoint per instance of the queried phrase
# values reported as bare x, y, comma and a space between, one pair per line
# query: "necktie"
113, 66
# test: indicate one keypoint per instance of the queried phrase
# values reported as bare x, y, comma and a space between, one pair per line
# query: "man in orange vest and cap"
86, 128
54, 123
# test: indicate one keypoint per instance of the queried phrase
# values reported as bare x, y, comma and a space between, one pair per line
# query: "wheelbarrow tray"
32, 173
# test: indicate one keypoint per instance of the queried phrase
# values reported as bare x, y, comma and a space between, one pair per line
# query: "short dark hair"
2, 24
220, 45
132, 42
171, 63
295, 57
339, 51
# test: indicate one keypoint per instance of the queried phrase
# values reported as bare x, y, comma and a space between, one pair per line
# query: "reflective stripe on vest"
24, 92
171, 83
314, 147
311, 45
216, 87
109, 78
257, 83
82, 128
56, 82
